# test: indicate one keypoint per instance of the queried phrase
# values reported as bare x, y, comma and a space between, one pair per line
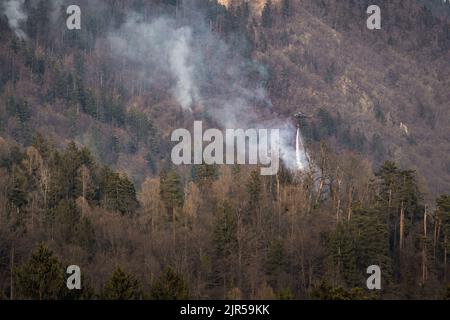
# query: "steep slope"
139, 69
382, 93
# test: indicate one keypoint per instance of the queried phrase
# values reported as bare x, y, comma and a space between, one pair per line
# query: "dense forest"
85, 170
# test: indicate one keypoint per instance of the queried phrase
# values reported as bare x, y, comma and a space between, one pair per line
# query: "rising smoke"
160, 48
205, 71
13, 10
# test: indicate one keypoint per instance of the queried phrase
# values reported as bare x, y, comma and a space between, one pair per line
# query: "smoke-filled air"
205, 74
13, 9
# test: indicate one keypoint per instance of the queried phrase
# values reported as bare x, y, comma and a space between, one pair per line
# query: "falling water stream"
301, 156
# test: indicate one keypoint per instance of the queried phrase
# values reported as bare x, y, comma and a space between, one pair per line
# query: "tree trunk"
11, 293
445, 258
435, 235
279, 205
402, 227
173, 226
424, 249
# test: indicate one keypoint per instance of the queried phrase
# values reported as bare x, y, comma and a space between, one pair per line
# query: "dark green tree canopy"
122, 286
170, 286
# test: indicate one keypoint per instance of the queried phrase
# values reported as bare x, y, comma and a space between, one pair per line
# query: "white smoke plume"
13, 9
17, 16
206, 72
159, 48
300, 152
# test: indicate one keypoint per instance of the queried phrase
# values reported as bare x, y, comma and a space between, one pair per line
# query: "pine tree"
443, 214
275, 258
447, 294
443, 211
117, 192
66, 218
17, 194
204, 175
225, 245
122, 286
267, 15
71, 162
399, 198
326, 292
254, 189
286, 8
172, 193
224, 232
170, 286
357, 244
42, 278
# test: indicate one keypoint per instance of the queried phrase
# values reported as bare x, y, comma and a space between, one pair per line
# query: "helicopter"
301, 115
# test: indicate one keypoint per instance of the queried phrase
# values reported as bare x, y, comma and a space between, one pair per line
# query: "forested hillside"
85, 170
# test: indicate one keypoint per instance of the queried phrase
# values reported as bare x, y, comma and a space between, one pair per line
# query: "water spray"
302, 158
